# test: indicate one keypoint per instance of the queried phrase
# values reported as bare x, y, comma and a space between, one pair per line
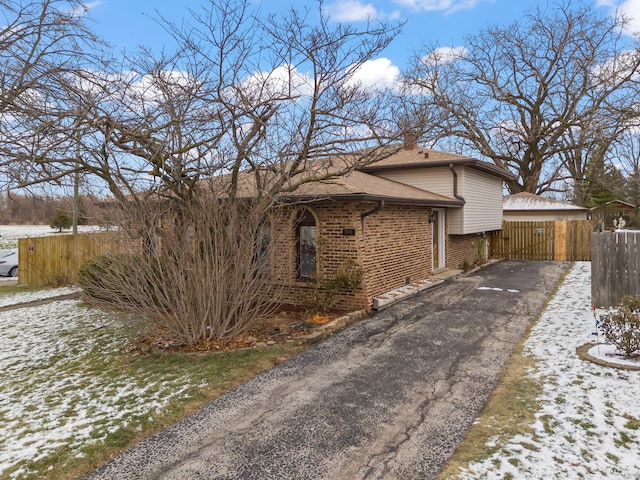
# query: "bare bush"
203, 272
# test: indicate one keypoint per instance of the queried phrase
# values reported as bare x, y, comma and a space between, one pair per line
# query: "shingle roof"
354, 185
525, 201
616, 203
360, 185
424, 157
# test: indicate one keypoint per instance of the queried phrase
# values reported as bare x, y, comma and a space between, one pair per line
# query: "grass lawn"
72, 395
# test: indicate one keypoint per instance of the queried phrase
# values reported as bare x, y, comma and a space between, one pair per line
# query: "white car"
9, 262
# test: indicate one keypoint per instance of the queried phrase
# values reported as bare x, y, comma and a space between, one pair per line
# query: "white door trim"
439, 227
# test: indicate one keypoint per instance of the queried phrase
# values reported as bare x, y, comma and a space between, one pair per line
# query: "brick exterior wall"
460, 248
396, 247
391, 245
333, 249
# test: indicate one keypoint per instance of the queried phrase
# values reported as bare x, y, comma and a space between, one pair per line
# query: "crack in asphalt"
377, 465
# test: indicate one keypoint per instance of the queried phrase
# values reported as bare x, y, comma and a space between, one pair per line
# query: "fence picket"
615, 266
554, 240
55, 260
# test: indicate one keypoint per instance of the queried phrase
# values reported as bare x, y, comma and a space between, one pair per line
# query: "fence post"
560, 240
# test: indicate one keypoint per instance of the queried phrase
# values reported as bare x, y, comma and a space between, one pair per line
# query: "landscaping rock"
313, 337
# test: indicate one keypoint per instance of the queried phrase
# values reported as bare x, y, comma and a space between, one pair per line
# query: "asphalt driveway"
388, 398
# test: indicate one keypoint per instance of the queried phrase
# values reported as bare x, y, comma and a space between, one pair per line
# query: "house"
402, 219
613, 210
527, 207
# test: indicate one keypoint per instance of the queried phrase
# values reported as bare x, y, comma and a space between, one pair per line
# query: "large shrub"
200, 271
621, 327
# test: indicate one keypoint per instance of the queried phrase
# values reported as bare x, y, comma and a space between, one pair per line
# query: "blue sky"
127, 23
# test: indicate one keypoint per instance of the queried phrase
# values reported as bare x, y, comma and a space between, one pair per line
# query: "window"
306, 239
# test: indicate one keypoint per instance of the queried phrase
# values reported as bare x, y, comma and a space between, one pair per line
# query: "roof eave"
546, 210
373, 198
466, 162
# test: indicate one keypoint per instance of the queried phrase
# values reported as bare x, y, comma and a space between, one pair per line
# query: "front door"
437, 238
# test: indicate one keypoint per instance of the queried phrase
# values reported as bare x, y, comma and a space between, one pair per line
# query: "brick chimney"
411, 140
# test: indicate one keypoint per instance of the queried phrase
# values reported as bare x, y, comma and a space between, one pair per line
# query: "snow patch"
582, 429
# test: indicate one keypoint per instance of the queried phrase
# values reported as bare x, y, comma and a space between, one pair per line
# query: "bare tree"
239, 92
41, 43
537, 97
199, 145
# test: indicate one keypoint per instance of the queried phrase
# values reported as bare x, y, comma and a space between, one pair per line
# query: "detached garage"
527, 207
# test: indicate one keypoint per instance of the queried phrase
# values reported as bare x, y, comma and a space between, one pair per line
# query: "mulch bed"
283, 326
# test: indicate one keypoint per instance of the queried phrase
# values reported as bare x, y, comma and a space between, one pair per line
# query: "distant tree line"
16, 209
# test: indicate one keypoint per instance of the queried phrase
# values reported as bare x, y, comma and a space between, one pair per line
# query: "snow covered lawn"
9, 234
65, 382
25, 297
589, 422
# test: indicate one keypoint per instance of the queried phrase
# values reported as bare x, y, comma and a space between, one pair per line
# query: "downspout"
455, 184
365, 286
371, 212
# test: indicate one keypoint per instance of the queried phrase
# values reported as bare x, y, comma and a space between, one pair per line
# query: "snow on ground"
12, 232
588, 424
25, 297
9, 234
59, 387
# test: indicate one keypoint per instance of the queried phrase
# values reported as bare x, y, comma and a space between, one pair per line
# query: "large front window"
306, 236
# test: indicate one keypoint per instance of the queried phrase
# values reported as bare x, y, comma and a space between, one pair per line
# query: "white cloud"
351, 11
631, 10
357, 11
444, 55
84, 8
283, 82
377, 74
448, 6
616, 69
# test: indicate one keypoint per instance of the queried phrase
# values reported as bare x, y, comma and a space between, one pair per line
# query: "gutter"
385, 199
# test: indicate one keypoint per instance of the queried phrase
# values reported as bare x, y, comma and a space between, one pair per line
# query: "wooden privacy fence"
553, 240
55, 260
615, 267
